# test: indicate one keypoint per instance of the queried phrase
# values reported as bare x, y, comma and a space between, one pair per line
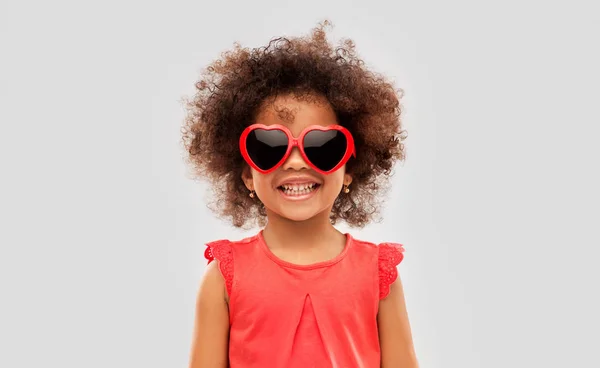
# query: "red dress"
283, 315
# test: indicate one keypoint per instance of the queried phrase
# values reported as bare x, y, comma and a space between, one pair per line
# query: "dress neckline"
281, 262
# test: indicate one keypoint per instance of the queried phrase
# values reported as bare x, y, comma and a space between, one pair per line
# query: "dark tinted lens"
266, 147
325, 149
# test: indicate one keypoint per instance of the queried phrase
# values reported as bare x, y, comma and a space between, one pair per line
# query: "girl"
296, 136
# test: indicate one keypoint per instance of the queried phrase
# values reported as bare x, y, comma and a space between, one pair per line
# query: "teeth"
298, 189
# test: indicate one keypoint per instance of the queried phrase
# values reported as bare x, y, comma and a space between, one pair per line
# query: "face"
294, 190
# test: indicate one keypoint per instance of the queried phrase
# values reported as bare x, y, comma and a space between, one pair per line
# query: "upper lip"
290, 180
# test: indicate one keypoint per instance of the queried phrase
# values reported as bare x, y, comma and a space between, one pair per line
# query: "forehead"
296, 114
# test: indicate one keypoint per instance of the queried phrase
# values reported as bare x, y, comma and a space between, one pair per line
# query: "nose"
295, 161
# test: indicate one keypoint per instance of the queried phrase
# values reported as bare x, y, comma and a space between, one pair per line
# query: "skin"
292, 225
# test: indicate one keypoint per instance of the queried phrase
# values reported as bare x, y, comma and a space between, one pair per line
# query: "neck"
281, 232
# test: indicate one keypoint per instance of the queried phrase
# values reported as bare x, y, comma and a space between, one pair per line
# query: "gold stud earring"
251, 194
346, 189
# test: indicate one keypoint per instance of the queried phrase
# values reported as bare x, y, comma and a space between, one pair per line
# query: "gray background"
102, 231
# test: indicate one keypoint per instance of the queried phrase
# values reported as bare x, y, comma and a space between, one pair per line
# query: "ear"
247, 177
347, 179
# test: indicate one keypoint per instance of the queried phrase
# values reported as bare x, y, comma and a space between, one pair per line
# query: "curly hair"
232, 89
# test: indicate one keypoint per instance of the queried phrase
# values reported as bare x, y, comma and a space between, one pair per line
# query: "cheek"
261, 182
335, 181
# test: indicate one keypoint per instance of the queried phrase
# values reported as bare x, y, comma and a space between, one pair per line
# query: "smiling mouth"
298, 190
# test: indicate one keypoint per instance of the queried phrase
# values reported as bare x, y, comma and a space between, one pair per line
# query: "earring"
251, 194
346, 189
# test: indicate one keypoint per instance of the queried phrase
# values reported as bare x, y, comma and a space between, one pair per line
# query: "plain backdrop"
102, 230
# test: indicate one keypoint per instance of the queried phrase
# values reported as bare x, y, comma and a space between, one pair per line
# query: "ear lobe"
347, 179
247, 177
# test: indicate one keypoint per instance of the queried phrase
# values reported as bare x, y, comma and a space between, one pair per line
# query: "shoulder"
223, 249
363, 248
387, 255
384, 249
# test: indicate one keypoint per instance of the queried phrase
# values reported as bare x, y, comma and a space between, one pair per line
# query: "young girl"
296, 136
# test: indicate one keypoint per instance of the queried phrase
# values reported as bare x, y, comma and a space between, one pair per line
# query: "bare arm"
211, 328
395, 336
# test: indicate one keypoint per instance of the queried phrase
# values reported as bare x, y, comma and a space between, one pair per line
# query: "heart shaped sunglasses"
323, 148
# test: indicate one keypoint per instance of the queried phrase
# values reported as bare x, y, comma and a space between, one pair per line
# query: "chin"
298, 214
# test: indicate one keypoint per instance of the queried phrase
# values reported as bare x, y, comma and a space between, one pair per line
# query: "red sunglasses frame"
297, 142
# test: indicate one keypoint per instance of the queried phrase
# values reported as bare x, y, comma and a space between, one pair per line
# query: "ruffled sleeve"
390, 256
221, 251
